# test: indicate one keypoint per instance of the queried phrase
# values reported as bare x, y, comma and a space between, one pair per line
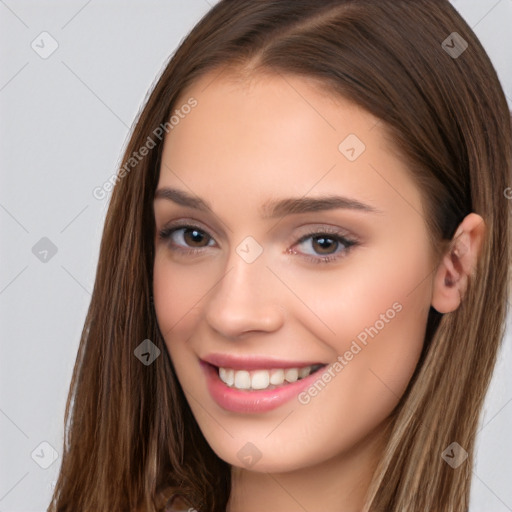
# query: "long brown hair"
131, 441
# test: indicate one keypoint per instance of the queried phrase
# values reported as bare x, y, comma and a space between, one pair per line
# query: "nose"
245, 300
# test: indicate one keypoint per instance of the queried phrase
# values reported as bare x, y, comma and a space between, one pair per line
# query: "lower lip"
237, 400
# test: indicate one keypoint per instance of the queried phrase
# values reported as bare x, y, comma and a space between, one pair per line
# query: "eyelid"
185, 222
313, 230
340, 235
310, 230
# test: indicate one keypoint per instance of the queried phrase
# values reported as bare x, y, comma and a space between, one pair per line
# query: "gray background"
64, 122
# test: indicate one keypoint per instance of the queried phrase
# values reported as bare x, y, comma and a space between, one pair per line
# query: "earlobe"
458, 264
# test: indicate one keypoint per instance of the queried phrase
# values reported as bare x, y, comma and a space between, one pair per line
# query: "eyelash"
348, 243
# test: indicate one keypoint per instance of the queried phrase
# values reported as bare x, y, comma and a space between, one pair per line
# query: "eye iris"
195, 237
326, 244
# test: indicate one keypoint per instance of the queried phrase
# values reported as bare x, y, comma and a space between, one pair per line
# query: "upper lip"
254, 362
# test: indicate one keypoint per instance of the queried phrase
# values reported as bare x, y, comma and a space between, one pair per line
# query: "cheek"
178, 295
179, 292
376, 316
337, 305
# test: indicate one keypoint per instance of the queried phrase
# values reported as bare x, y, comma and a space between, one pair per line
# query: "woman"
303, 275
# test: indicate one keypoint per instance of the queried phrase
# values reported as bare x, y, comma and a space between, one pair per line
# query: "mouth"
264, 379
257, 385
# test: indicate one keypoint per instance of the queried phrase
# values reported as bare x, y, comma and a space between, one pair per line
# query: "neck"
339, 483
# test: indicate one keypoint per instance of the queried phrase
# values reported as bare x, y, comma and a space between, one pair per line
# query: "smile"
264, 379
257, 384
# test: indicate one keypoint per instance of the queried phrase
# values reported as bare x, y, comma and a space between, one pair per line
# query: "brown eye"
323, 247
324, 244
195, 238
186, 237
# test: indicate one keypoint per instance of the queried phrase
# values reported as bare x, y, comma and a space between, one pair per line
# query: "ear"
451, 278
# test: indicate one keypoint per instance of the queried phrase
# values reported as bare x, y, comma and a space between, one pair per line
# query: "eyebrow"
276, 207
182, 198
282, 207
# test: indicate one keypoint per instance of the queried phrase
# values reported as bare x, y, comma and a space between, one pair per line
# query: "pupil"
325, 243
193, 236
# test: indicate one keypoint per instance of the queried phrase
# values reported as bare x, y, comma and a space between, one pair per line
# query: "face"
292, 269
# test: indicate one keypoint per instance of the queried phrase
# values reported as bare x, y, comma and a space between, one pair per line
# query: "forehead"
265, 133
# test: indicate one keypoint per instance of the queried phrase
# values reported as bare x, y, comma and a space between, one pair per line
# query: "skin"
253, 138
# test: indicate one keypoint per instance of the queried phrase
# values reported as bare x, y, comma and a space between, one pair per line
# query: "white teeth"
242, 379
276, 377
291, 374
304, 372
262, 379
227, 375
